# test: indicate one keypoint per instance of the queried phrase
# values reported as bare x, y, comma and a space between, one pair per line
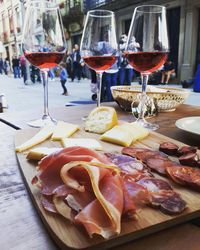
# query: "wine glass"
147, 48
99, 44
44, 45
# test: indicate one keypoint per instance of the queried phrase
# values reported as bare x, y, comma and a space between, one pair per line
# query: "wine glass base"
44, 121
147, 125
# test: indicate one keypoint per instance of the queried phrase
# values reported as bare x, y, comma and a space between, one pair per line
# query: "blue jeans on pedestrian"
16, 72
109, 80
125, 76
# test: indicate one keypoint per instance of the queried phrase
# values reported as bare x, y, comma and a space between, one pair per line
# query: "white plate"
189, 124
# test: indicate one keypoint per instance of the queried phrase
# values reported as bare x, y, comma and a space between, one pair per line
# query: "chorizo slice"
131, 151
186, 150
186, 176
190, 159
169, 148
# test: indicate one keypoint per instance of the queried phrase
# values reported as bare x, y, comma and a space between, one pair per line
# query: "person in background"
126, 71
76, 65
23, 68
16, 67
69, 65
1, 66
6, 66
109, 80
63, 78
167, 71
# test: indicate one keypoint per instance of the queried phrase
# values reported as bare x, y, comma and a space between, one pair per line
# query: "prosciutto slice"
102, 215
50, 166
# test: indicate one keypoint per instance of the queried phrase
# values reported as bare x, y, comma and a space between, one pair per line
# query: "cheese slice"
38, 138
63, 129
138, 132
40, 152
82, 142
118, 135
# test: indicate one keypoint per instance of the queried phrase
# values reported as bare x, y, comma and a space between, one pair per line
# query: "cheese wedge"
38, 138
101, 119
63, 129
40, 152
82, 142
118, 135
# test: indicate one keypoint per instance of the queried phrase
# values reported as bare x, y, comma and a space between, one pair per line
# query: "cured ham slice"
50, 166
75, 153
108, 205
186, 176
134, 195
163, 196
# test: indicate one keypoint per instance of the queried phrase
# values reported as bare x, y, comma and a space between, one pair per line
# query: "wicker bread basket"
167, 98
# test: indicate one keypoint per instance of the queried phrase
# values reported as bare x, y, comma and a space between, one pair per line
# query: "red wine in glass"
99, 63
44, 60
146, 62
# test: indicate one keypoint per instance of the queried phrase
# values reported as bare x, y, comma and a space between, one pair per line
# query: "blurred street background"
184, 36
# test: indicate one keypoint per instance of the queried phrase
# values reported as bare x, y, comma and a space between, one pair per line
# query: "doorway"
173, 21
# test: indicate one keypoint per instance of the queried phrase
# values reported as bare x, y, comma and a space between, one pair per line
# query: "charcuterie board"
149, 220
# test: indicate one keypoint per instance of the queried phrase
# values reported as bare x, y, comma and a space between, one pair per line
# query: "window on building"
11, 21
18, 23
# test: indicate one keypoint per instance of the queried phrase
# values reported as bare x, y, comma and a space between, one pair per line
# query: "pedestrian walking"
23, 68
63, 78
16, 67
1, 66
6, 66
76, 64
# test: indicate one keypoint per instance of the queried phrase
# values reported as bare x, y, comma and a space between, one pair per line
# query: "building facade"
11, 20
183, 27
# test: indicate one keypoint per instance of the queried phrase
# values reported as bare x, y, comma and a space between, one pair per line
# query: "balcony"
109, 4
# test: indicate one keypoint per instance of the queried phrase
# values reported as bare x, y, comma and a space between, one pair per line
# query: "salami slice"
169, 148
160, 165
154, 185
185, 175
169, 202
163, 196
118, 158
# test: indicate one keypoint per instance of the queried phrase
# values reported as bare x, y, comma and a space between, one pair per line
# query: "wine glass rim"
160, 7
33, 2
92, 13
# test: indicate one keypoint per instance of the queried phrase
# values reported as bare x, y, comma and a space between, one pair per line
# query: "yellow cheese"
41, 136
82, 142
101, 119
136, 130
63, 129
40, 152
118, 135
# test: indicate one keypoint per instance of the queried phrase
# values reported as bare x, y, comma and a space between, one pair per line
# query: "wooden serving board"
149, 220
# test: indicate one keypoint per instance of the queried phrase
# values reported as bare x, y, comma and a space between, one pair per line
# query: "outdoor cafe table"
20, 225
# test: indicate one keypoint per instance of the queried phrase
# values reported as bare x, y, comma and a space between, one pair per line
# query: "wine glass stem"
144, 80
45, 85
99, 89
